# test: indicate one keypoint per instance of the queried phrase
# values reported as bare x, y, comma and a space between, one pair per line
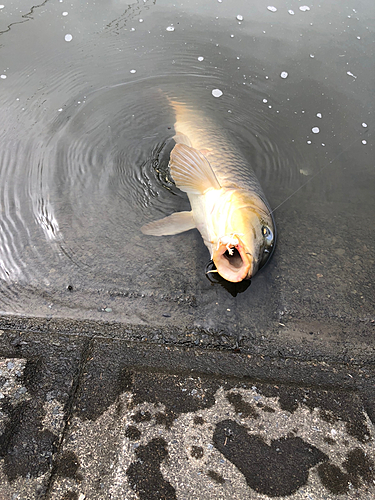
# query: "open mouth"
234, 258
232, 263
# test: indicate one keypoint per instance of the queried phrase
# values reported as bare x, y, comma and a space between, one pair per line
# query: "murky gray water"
84, 121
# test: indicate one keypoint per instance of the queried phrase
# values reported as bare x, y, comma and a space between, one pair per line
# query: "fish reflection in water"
228, 206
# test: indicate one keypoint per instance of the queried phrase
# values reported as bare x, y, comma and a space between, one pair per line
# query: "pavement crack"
68, 412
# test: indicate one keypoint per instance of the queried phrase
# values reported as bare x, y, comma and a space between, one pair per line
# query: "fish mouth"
232, 262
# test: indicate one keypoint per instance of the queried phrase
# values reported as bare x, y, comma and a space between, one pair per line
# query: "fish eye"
267, 234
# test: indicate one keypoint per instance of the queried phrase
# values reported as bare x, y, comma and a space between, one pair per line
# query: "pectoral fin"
173, 224
182, 139
191, 171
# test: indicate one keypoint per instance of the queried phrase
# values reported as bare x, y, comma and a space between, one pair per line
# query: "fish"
228, 206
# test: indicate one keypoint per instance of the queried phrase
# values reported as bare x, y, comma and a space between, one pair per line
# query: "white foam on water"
291, 12
265, 100
3, 77
364, 141
239, 17
133, 71
200, 58
217, 93
271, 8
170, 28
364, 124
350, 74
315, 130
319, 115
304, 8
68, 37
284, 74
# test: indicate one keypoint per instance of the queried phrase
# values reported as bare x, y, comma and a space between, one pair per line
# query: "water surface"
85, 127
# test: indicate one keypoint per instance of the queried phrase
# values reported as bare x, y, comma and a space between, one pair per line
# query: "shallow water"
85, 124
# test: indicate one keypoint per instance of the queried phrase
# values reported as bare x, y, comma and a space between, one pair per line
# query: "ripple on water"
99, 170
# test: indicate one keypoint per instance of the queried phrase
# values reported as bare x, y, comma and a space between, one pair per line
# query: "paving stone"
36, 380
153, 435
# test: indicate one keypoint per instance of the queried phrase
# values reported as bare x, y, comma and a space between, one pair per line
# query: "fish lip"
233, 271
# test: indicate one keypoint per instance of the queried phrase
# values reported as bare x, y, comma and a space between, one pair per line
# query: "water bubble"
315, 130
133, 71
364, 141
284, 74
64, 13
308, 142
319, 115
271, 8
304, 8
140, 20
3, 77
239, 17
170, 28
217, 93
350, 74
200, 58
364, 124
265, 100
312, 56
68, 38
291, 12
2, 6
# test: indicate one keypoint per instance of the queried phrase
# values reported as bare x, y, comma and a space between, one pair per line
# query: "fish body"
228, 206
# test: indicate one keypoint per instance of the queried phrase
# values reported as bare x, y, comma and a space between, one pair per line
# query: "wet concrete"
83, 416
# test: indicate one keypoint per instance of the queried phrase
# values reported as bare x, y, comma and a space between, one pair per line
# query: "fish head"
248, 241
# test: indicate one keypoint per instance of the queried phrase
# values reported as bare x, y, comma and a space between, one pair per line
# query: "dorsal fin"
191, 171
